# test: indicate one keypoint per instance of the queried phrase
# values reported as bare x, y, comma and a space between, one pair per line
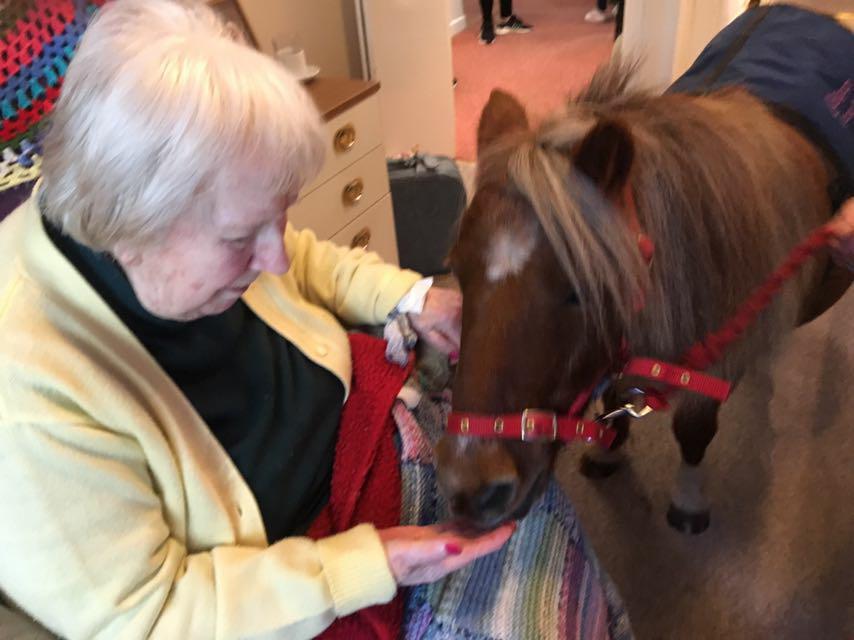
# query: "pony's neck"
724, 190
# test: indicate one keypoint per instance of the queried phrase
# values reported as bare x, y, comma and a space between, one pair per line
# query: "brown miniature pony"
554, 281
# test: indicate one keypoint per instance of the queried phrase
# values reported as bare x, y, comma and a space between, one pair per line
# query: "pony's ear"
503, 114
606, 154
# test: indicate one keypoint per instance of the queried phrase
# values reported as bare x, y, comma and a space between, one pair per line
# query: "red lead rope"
536, 424
708, 352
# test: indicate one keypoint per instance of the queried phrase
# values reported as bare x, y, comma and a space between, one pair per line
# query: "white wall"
457, 15
410, 52
667, 35
649, 35
326, 29
699, 22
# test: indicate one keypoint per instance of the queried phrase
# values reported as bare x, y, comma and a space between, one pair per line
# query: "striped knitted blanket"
545, 584
37, 41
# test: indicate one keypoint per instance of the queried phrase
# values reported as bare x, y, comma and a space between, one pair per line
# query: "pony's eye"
572, 298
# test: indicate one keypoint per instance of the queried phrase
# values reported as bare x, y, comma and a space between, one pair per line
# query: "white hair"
160, 107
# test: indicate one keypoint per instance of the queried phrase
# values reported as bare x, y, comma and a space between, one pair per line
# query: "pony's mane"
601, 262
710, 175
598, 254
610, 82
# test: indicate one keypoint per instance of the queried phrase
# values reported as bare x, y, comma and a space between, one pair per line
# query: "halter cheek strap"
645, 244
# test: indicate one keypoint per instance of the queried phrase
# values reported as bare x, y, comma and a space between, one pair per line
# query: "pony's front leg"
694, 425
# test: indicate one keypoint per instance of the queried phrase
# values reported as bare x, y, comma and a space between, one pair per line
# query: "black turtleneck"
274, 411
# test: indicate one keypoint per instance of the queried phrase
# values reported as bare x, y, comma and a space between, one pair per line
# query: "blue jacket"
799, 62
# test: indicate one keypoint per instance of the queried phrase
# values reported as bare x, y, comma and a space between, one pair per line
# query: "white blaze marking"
507, 254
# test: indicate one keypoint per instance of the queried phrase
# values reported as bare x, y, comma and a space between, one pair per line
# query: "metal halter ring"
635, 407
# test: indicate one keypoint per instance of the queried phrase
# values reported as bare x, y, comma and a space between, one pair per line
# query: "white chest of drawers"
349, 201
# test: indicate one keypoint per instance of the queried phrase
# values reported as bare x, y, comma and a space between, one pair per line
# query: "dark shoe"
487, 33
512, 25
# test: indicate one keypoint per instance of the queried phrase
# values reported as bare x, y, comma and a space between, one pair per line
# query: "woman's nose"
270, 254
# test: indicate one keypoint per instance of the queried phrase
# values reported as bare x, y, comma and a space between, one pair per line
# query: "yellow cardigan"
121, 516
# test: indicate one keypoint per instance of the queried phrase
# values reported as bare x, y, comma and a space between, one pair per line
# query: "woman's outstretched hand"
418, 555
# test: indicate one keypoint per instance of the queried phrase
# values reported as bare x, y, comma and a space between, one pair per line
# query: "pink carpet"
541, 67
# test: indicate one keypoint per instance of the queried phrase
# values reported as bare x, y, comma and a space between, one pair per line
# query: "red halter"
546, 425
543, 424
535, 424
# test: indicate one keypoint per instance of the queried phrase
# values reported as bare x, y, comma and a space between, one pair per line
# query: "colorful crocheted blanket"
37, 41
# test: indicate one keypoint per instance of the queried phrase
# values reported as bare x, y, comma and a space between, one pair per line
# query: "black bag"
428, 197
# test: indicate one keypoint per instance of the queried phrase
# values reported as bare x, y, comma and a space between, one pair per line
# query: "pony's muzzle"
486, 507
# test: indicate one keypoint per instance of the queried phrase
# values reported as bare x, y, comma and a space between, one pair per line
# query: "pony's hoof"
690, 522
596, 469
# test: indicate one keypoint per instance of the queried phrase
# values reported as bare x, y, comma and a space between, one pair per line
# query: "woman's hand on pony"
418, 555
439, 321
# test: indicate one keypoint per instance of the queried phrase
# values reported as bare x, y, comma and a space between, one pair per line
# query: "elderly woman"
165, 355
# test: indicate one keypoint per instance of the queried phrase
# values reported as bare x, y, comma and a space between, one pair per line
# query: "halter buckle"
529, 425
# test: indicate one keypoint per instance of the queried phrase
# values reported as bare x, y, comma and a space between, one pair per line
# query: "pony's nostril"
495, 497
458, 504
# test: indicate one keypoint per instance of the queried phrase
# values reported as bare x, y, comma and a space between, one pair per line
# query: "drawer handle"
345, 138
353, 192
361, 239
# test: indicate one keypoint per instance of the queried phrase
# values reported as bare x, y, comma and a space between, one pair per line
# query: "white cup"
293, 59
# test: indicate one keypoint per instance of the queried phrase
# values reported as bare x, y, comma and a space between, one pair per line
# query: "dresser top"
334, 95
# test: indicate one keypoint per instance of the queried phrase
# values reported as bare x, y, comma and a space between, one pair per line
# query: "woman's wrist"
357, 569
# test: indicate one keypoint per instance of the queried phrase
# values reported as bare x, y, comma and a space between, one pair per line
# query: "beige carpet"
778, 559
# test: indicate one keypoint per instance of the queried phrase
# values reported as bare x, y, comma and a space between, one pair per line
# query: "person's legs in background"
487, 30
510, 23
621, 9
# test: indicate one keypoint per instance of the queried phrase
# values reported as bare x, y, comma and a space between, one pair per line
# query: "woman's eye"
238, 242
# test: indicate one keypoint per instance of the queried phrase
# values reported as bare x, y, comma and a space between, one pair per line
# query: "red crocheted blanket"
37, 41
366, 475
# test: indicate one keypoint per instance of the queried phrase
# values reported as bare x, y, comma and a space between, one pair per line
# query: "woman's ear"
605, 155
126, 254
